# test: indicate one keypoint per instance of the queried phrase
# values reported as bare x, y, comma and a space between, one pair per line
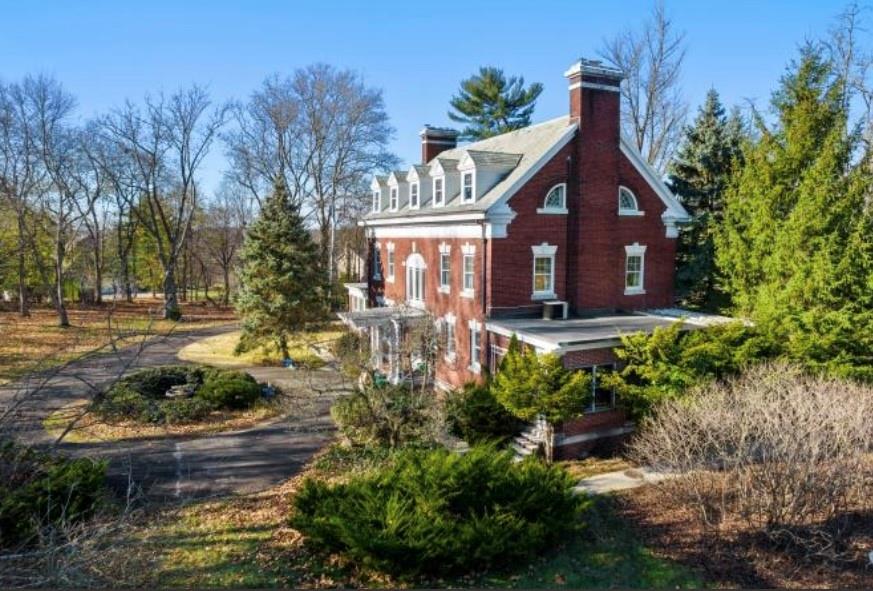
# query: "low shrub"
437, 512
141, 396
225, 388
387, 415
39, 490
475, 415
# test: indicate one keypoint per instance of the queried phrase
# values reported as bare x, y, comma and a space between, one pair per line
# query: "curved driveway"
173, 467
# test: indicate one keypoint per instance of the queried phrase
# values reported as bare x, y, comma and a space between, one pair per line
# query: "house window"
389, 276
627, 202
415, 268
602, 396
377, 262
438, 192
475, 345
413, 195
468, 272
555, 201
544, 270
467, 187
377, 195
445, 271
450, 342
634, 270
393, 202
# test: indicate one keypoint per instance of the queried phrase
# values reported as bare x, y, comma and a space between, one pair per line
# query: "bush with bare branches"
787, 454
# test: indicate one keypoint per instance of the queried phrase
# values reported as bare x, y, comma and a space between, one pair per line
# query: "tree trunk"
226, 297
98, 279
60, 251
171, 296
23, 301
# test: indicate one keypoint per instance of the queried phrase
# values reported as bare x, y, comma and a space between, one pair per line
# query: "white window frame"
394, 198
445, 256
552, 210
475, 344
377, 201
414, 190
543, 251
471, 174
632, 251
625, 211
390, 263
415, 279
469, 253
441, 193
377, 261
451, 339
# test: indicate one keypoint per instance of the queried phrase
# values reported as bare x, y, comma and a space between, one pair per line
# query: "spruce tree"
699, 176
489, 103
281, 280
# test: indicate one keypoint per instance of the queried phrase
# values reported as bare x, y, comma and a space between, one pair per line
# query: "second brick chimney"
435, 140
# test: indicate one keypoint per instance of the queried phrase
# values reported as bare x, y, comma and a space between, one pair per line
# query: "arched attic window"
627, 202
555, 201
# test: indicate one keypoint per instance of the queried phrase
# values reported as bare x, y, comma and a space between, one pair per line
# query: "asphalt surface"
173, 468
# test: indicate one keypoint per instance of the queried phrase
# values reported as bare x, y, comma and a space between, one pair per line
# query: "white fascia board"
675, 212
468, 231
424, 219
533, 169
542, 344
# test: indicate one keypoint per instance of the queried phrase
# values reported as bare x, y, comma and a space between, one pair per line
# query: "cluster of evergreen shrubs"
141, 396
437, 512
40, 490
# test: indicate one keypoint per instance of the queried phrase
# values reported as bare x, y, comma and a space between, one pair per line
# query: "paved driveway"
176, 468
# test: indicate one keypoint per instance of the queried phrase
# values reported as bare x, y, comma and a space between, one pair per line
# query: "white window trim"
472, 174
417, 186
423, 286
543, 250
442, 201
377, 258
554, 210
468, 250
449, 320
393, 198
475, 363
635, 212
377, 201
389, 275
635, 249
445, 249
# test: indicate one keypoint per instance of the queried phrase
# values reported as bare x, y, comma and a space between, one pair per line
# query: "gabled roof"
529, 148
398, 176
420, 170
482, 159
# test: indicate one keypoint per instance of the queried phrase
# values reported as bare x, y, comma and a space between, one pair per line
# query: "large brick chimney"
435, 140
595, 98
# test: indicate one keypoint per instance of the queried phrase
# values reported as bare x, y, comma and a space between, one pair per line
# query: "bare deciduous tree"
653, 109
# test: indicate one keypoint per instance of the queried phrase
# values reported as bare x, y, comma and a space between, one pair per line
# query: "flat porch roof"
595, 332
381, 315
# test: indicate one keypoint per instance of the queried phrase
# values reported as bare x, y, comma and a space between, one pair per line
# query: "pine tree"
281, 281
699, 176
795, 246
489, 103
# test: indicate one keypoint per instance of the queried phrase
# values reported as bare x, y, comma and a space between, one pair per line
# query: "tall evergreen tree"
281, 288
699, 176
490, 103
795, 247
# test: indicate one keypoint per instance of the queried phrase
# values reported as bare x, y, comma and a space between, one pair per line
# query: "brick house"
559, 233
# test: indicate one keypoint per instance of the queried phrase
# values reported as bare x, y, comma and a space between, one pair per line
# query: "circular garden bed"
169, 400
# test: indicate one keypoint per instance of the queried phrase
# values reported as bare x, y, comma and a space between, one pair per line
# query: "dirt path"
174, 468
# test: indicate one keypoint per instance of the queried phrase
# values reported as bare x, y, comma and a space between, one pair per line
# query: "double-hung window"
467, 194
469, 266
450, 344
634, 269
438, 195
445, 271
413, 196
377, 196
389, 274
475, 345
393, 203
544, 271
415, 268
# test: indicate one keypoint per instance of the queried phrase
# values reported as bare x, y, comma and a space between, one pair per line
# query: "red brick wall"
589, 357
437, 303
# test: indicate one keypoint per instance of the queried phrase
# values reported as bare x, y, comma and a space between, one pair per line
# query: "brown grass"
594, 466
35, 343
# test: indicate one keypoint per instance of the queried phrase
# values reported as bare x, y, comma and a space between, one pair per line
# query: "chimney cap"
593, 68
431, 132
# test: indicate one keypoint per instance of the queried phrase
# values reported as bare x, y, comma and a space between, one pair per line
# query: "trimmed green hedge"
437, 512
475, 415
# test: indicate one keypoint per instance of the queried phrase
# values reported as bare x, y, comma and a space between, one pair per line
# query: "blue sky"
417, 52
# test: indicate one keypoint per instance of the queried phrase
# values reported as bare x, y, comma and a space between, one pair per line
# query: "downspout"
485, 287
572, 225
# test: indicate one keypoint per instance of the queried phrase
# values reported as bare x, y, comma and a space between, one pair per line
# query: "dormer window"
393, 202
627, 202
377, 196
467, 194
438, 197
413, 196
555, 201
